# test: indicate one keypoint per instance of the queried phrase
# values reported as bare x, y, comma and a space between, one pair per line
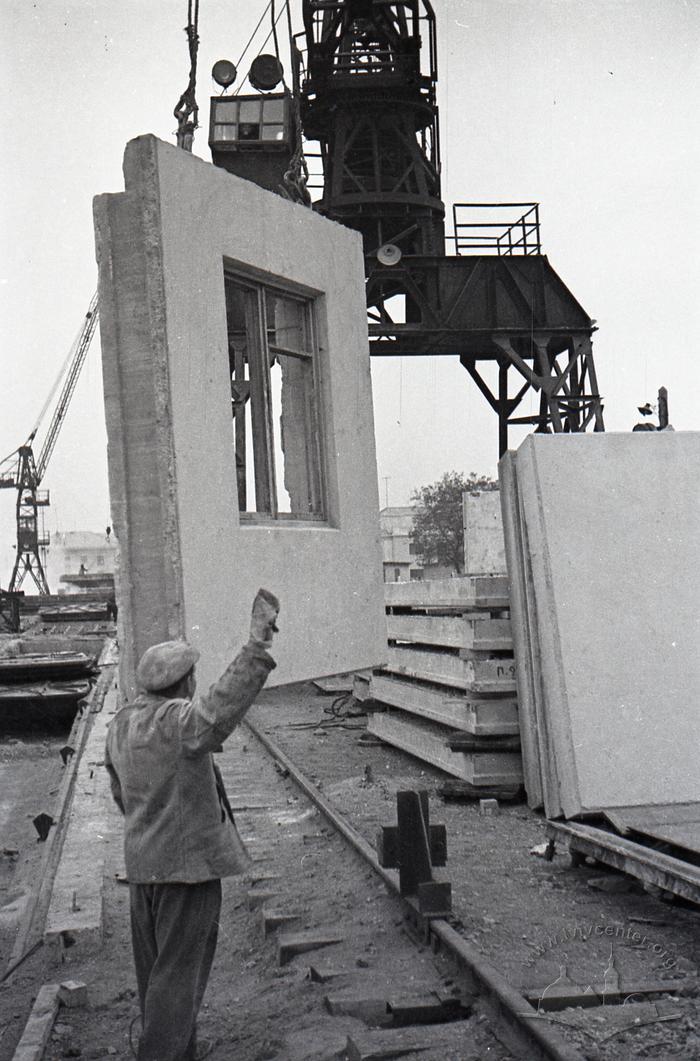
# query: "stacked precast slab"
603, 554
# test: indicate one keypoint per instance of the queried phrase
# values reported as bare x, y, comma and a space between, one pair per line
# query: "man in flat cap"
178, 840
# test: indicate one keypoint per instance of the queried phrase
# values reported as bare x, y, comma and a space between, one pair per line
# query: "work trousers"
174, 929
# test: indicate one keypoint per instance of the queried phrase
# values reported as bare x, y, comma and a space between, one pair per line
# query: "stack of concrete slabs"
604, 560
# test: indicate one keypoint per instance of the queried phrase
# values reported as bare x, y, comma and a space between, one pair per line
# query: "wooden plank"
427, 743
484, 591
467, 742
335, 683
665, 872
463, 790
677, 824
38, 1028
637, 818
451, 631
372, 1009
684, 834
482, 718
572, 995
291, 943
441, 1040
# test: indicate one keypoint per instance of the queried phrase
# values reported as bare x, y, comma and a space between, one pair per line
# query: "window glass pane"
273, 132
249, 131
226, 110
249, 449
250, 110
294, 432
276, 432
225, 132
286, 323
273, 110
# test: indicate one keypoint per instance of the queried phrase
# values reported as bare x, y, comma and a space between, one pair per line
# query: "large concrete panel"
484, 547
189, 565
612, 526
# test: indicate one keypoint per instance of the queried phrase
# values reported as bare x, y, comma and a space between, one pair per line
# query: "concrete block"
72, 994
190, 565
489, 807
484, 547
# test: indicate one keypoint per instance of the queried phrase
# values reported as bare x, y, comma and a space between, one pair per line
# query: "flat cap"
164, 664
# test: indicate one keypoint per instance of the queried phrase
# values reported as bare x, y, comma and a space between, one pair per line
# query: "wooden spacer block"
256, 898
274, 919
292, 943
430, 1008
321, 972
39, 1026
373, 1009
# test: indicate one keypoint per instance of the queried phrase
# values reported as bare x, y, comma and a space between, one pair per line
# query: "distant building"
401, 561
82, 560
398, 554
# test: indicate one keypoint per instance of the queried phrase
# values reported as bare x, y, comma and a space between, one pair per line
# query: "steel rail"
525, 1028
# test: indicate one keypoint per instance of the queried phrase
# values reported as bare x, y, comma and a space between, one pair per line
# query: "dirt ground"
536, 921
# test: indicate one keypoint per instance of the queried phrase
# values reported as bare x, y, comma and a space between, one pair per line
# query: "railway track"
514, 1020
318, 958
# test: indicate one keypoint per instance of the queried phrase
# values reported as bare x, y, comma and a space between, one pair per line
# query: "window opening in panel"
275, 402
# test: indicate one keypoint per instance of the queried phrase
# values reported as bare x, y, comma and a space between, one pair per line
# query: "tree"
437, 534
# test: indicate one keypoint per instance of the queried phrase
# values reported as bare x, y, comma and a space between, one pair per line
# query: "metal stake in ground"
413, 847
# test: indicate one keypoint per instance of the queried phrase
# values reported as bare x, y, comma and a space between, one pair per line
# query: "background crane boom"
22, 472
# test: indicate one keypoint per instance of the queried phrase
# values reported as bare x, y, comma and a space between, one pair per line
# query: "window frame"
258, 287
230, 119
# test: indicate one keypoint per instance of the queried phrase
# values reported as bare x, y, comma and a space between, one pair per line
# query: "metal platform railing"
503, 233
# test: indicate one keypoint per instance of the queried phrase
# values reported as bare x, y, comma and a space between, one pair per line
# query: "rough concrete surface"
189, 566
612, 525
484, 547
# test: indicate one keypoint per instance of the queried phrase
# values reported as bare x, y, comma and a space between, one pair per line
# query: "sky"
585, 106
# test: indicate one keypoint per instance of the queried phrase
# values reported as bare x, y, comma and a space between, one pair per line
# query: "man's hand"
263, 621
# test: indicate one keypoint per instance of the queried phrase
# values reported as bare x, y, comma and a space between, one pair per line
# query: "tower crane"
364, 77
24, 472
